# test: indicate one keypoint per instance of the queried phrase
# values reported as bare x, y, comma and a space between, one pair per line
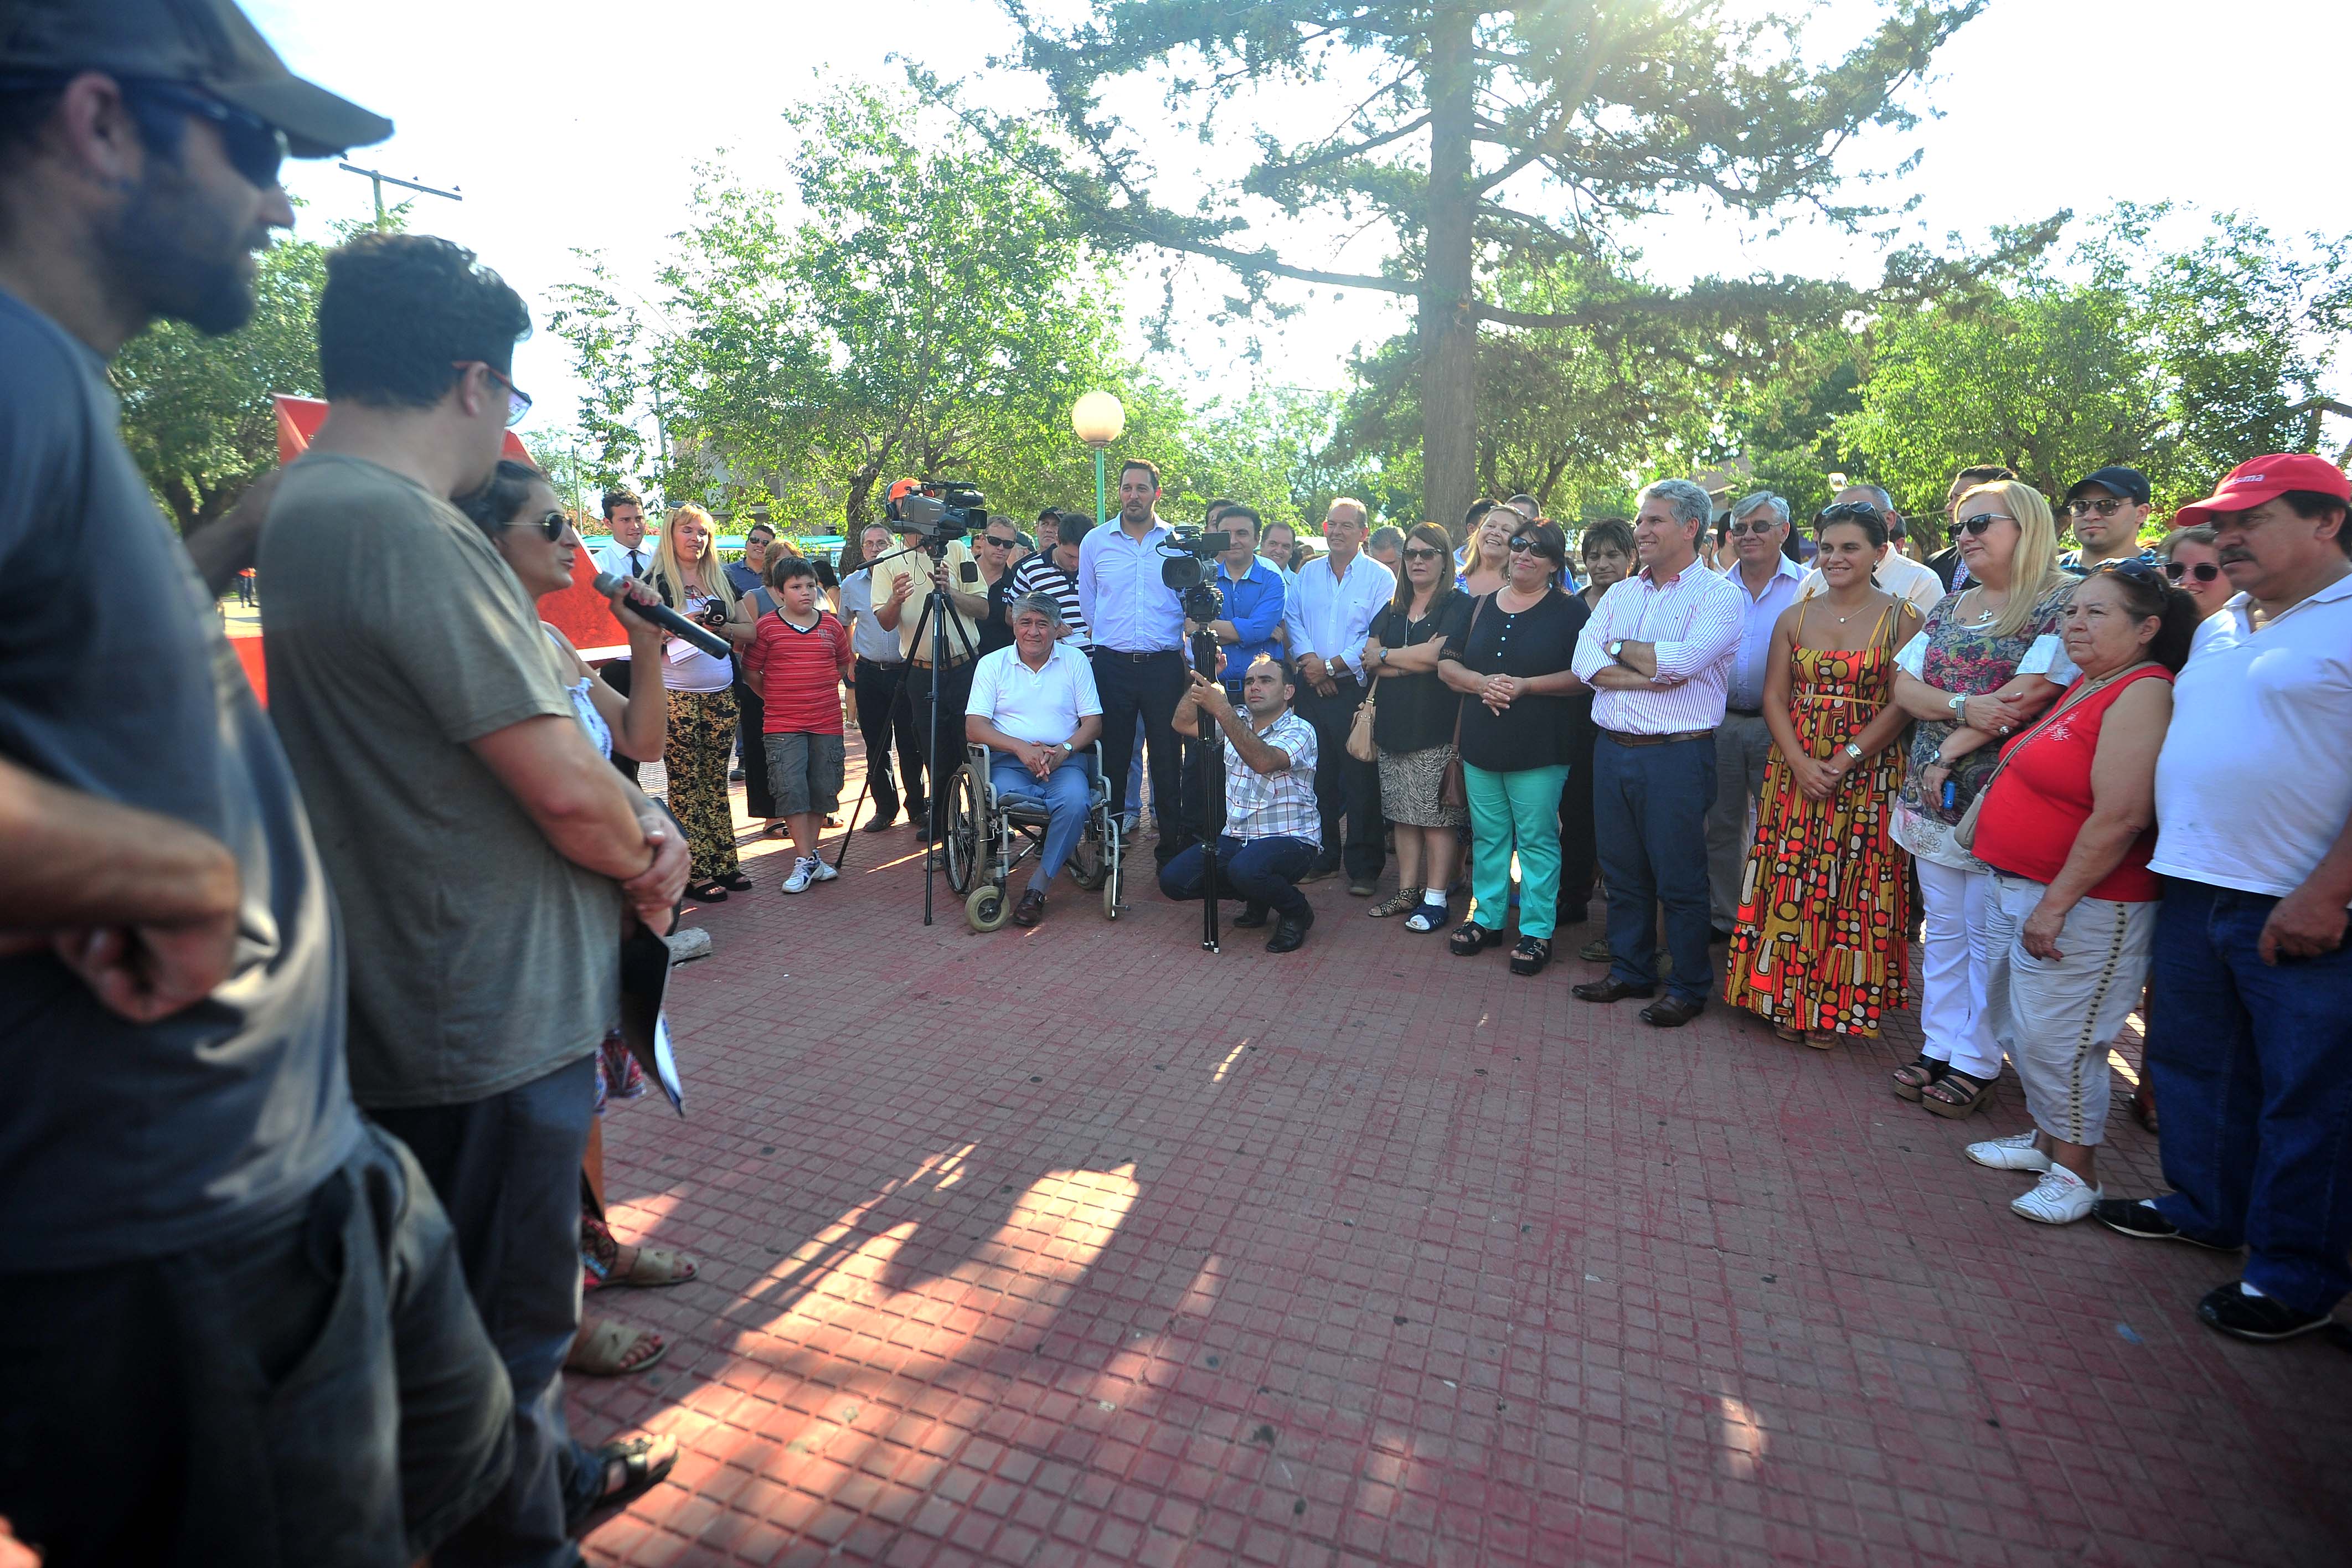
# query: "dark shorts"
805, 772
320, 1392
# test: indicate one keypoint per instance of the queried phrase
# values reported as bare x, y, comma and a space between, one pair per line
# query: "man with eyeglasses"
233, 1324
1767, 581
1895, 573
2107, 508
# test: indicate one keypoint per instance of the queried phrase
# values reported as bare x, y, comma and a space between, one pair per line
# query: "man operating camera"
1272, 827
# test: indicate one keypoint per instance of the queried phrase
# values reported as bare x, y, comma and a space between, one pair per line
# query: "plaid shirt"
1274, 805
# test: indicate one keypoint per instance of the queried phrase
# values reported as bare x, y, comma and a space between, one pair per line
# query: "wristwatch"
1959, 703
1615, 649
1384, 654
1066, 748
1854, 752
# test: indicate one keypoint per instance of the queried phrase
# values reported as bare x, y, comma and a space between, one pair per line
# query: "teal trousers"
1514, 811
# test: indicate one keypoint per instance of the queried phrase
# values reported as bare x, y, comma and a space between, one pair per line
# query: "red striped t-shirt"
798, 672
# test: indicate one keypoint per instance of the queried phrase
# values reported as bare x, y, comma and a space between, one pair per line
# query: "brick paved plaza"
1079, 1244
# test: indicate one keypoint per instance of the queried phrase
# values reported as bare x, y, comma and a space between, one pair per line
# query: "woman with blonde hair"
1487, 559
1989, 660
685, 572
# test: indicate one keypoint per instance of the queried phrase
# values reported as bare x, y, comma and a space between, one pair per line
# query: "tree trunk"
1449, 333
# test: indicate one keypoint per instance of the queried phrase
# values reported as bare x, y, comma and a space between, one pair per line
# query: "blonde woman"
686, 573
1486, 560
1989, 660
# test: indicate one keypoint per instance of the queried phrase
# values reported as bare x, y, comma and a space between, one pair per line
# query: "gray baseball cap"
206, 44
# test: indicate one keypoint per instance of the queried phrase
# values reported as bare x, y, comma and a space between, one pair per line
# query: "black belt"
866, 663
1624, 740
953, 659
1745, 712
1133, 656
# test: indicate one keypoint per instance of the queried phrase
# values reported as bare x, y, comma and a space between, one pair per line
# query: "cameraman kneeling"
1034, 705
1272, 827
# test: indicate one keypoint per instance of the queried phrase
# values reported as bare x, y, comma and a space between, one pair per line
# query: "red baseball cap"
2258, 479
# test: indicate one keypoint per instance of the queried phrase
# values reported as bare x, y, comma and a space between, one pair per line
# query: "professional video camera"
1185, 554
941, 511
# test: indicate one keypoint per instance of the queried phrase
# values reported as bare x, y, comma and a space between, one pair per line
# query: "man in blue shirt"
1138, 622
1256, 598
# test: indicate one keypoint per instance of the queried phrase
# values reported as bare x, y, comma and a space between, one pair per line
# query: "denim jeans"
1649, 814
1259, 870
2252, 1069
1065, 793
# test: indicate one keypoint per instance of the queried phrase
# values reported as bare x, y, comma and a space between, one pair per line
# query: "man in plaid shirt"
1274, 828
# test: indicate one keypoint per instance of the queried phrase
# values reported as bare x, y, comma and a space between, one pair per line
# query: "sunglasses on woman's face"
2203, 571
552, 524
1524, 546
1420, 553
1981, 524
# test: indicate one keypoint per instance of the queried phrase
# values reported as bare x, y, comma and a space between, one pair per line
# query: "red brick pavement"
1081, 1245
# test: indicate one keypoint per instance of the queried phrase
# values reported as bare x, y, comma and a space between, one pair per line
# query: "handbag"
1453, 790
1360, 734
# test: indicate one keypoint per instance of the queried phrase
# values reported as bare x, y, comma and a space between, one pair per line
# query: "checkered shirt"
1271, 805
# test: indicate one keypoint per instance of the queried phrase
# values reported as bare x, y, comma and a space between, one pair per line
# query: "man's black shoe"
1321, 870
1609, 990
2138, 1218
1718, 935
1290, 932
916, 809
883, 818
1671, 1012
1253, 915
2256, 1318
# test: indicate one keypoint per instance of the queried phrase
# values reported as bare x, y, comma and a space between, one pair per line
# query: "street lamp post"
1097, 418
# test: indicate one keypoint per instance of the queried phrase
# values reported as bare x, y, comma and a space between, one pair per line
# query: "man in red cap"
2250, 1043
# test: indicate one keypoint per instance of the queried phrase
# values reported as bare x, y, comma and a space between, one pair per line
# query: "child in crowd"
797, 659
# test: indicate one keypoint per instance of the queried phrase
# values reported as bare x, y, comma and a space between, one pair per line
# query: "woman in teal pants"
1512, 661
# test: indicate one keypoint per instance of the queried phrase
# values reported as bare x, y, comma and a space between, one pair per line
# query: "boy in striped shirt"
797, 658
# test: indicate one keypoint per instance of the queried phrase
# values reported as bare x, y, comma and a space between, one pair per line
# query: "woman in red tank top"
2067, 825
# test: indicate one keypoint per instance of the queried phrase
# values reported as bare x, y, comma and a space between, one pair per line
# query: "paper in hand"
645, 978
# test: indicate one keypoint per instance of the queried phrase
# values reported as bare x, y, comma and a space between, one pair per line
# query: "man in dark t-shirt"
180, 1163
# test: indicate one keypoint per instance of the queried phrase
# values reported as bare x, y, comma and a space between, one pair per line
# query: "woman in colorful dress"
685, 571
1987, 663
1818, 947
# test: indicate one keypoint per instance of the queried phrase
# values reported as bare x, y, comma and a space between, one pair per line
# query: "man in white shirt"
625, 555
1768, 581
1034, 705
1328, 618
1138, 624
1658, 654
2250, 1030
1897, 574
878, 681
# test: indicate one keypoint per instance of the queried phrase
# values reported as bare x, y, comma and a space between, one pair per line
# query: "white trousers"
2056, 1018
1953, 959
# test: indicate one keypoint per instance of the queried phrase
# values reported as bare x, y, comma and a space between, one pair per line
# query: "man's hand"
1211, 695
940, 576
1317, 673
1041, 759
654, 892
902, 587
2306, 923
151, 971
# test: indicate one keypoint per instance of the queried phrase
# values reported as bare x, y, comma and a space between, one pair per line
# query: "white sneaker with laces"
2060, 1198
2015, 1153
803, 872
821, 872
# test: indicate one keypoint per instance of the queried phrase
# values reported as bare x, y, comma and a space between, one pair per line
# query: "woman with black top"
1414, 715
1512, 660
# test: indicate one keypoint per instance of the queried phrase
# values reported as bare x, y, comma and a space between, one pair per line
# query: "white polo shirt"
1041, 705
2252, 785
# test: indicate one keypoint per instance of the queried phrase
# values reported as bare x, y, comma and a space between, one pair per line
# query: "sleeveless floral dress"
1818, 943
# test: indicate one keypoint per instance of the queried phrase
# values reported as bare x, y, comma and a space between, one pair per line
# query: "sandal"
1822, 1039
1956, 1094
1790, 1037
654, 1266
1917, 1075
605, 1347
1401, 902
1470, 937
644, 1461
712, 891
736, 883
2143, 1102
1530, 956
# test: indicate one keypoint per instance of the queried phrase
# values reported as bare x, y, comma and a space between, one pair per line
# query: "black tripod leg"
849, 830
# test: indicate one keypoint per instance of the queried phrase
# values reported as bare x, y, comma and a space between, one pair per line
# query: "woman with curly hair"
686, 573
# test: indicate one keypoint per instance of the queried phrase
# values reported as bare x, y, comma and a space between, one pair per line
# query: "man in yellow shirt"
901, 584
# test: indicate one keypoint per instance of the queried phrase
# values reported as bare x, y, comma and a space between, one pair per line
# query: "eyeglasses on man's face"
517, 400
1761, 525
254, 147
1000, 543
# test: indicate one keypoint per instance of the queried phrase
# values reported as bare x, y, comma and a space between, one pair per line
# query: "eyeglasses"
517, 400
1421, 553
1983, 523
1737, 529
552, 524
255, 148
2107, 508
1000, 543
2145, 570
1523, 546
2203, 571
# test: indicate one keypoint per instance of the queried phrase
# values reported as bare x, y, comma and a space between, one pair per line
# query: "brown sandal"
605, 1347
1956, 1094
1822, 1039
1403, 902
655, 1265
1790, 1037
1915, 1076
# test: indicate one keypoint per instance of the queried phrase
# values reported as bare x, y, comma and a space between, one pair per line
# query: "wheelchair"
989, 836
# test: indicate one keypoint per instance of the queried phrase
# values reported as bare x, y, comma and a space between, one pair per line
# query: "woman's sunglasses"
1421, 553
1983, 523
552, 524
2203, 571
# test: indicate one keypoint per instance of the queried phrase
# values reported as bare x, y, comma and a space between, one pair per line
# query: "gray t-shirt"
481, 958
117, 1140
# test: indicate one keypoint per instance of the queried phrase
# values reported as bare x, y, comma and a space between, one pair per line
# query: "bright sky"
577, 124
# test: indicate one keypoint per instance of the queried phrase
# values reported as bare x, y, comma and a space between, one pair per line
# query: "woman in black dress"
1413, 717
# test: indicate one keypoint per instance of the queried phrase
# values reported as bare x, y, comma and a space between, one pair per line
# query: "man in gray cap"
233, 1324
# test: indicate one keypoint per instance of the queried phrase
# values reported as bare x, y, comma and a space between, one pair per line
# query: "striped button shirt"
1269, 805
1694, 619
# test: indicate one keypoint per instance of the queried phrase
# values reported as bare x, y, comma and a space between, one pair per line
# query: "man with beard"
233, 1327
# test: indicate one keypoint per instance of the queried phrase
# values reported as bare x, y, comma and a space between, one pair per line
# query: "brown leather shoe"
1609, 990
1029, 909
1671, 1012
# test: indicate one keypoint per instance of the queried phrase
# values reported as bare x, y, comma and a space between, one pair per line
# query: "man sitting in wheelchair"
1033, 706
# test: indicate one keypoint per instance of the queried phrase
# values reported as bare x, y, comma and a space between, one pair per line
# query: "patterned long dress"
1818, 944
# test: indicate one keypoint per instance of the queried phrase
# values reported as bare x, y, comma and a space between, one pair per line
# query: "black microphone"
662, 615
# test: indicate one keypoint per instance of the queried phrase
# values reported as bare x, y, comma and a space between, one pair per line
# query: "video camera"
940, 511
1184, 555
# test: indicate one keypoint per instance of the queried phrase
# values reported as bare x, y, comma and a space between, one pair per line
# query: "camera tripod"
1208, 780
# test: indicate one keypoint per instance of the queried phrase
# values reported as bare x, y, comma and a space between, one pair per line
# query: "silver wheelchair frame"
988, 838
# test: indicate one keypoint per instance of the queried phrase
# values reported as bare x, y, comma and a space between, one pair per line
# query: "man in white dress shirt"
1658, 654
625, 555
1329, 616
1767, 580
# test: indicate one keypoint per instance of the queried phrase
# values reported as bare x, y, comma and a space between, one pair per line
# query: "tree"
1487, 137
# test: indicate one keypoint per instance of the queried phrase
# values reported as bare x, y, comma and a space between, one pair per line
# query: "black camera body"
1184, 556
940, 511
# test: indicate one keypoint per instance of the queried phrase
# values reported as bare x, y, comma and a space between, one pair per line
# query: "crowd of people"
342, 984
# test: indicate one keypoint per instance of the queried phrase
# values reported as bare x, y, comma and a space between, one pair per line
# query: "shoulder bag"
1964, 832
1360, 744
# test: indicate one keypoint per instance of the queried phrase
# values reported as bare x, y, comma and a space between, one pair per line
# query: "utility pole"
379, 179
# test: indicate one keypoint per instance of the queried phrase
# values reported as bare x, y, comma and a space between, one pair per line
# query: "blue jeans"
1066, 794
2252, 1070
1259, 870
1649, 815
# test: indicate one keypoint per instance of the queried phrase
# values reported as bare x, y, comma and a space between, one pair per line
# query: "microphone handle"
669, 620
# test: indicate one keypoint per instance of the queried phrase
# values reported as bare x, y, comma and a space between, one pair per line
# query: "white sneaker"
2060, 1198
803, 872
2015, 1153
821, 872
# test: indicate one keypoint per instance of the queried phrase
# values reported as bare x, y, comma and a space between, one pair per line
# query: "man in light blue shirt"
1329, 616
1767, 581
1256, 601
1138, 623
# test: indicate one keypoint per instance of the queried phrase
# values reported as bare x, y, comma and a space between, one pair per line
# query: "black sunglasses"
2107, 508
255, 148
550, 525
1421, 553
1843, 512
2203, 571
2142, 569
1983, 523
1000, 543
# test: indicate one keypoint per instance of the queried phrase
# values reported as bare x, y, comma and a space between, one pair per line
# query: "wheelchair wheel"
1089, 864
967, 839
988, 909
1114, 873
